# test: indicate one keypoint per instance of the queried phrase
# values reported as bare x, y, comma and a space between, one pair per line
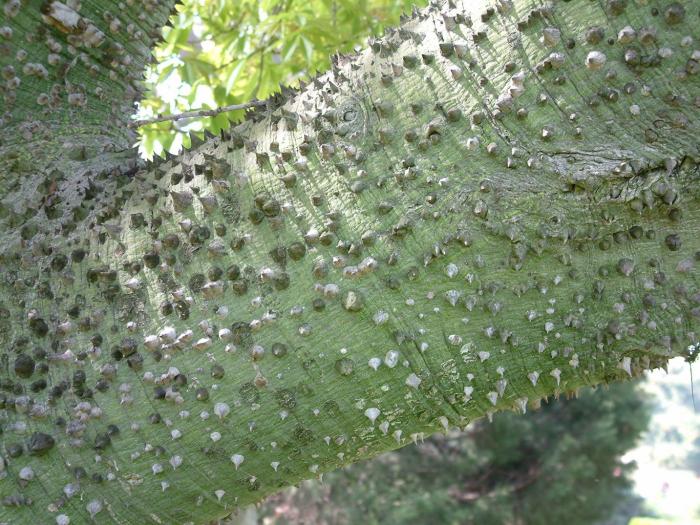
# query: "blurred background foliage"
223, 52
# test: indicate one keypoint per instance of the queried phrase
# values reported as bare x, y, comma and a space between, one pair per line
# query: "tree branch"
392, 252
196, 114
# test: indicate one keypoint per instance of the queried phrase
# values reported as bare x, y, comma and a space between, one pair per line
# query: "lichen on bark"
490, 205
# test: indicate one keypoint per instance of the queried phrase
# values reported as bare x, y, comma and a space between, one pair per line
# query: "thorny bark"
490, 205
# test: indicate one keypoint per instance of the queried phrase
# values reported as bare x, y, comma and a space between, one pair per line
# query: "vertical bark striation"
489, 206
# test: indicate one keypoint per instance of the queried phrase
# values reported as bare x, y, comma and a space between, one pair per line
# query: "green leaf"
233, 75
308, 49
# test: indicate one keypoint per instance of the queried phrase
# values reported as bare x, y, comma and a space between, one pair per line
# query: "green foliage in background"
224, 52
558, 465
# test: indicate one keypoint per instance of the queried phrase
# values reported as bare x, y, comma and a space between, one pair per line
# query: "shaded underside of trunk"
488, 206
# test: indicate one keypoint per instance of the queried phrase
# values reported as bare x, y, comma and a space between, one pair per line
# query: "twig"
196, 114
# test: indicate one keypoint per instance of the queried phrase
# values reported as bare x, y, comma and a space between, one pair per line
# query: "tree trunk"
488, 206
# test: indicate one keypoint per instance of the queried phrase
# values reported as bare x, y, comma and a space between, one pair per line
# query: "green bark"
489, 206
